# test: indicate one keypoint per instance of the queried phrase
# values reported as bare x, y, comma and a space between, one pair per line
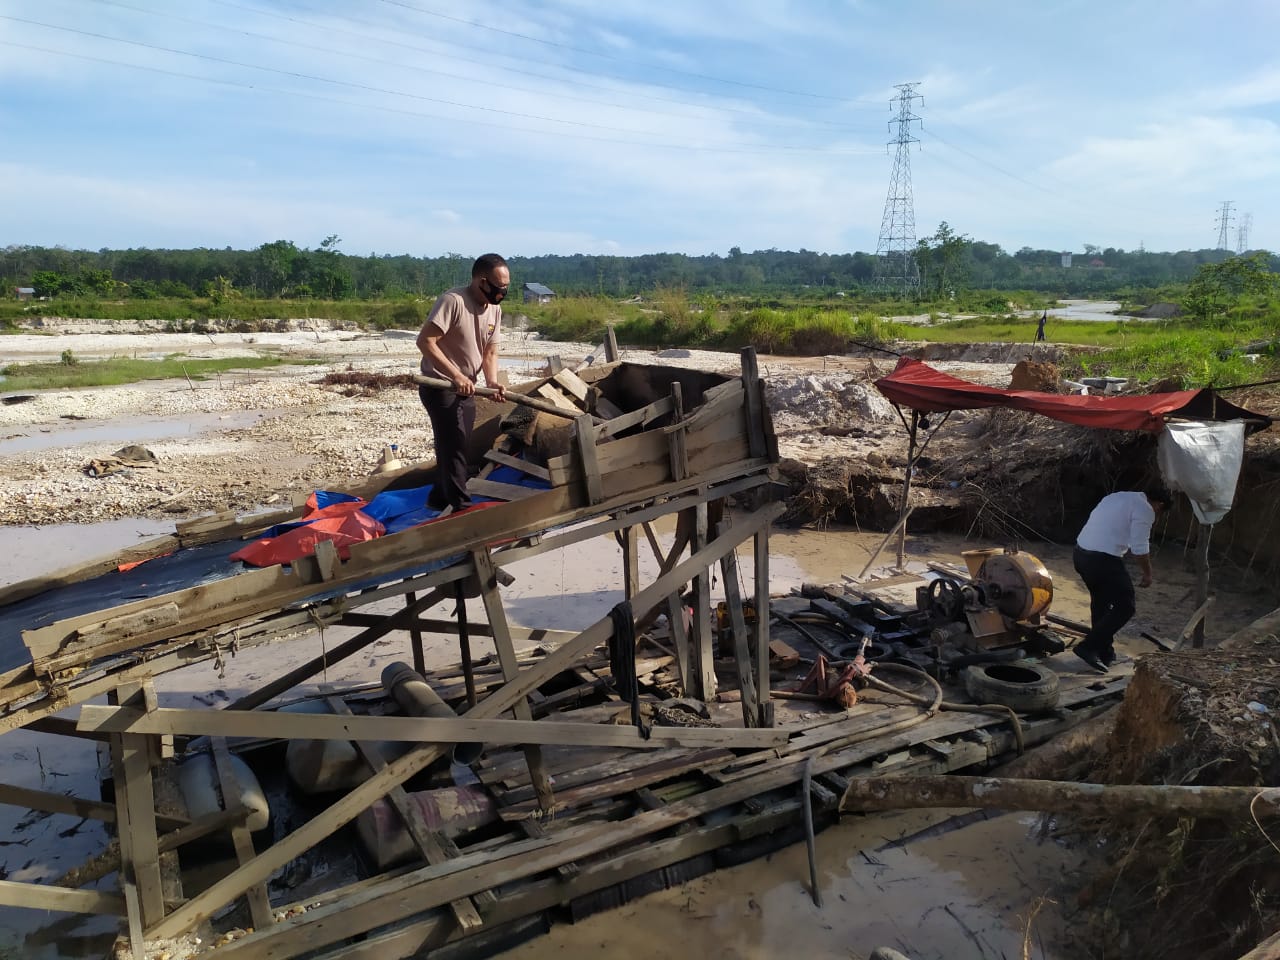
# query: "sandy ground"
965, 894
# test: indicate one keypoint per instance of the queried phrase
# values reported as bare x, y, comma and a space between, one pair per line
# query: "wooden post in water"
1202, 582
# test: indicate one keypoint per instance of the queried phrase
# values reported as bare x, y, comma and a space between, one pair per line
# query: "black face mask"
494, 294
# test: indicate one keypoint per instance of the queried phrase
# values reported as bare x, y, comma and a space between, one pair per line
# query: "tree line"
947, 262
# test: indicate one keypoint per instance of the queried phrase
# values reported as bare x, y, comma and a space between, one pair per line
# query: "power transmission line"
351, 54
1224, 224
363, 86
488, 28
896, 265
383, 108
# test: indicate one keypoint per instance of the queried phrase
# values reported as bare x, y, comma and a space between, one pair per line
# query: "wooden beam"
346, 809
701, 640
430, 843
763, 683
136, 811
738, 624
584, 441
894, 793
630, 562
259, 903
565, 406
486, 574
611, 352
754, 397
524, 466
572, 383
680, 637
635, 418
495, 490
434, 730
74, 806
43, 896
677, 452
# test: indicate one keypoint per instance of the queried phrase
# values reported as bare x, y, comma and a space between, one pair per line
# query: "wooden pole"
611, 354
741, 641
704, 661
897, 793
1202, 582
900, 526
906, 487
762, 627
415, 636
491, 394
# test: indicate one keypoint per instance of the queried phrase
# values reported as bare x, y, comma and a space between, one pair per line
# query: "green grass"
71, 372
1190, 359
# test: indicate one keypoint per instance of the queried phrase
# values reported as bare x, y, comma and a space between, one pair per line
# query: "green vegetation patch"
72, 372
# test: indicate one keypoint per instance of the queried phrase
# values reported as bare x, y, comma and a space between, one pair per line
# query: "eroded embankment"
1184, 889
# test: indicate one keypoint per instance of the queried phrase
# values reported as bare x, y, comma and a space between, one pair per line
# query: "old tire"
1026, 687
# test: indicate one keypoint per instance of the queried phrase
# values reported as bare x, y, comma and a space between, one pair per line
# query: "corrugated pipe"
417, 699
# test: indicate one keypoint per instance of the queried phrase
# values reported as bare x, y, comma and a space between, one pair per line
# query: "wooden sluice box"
579, 798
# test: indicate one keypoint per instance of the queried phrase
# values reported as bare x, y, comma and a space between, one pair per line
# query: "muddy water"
117, 433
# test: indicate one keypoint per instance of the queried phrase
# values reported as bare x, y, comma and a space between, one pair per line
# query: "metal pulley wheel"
946, 600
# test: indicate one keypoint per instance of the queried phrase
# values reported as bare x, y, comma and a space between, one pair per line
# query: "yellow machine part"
1026, 588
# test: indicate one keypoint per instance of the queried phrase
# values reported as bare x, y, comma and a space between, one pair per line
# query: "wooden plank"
557, 398
677, 453
524, 466
555, 364
763, 682
584, 442
259, 903
700, 640
74, 806
604, 407
680, 637
611, 352
630, 562
486, 575
346, 809
662, 770
579, 776
754, 393
44, 896
465, 729
430, 843
728, 398
327, 560
136, 812
496, 490
626, 421
574, 385
741, 642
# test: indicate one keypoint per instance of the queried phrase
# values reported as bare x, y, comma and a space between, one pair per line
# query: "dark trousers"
1111, 597
452, 418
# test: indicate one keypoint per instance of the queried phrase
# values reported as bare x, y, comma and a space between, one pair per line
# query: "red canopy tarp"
917, 385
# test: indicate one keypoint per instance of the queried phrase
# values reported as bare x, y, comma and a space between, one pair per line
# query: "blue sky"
633, 126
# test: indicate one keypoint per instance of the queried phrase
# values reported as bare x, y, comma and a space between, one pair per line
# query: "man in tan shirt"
460, 340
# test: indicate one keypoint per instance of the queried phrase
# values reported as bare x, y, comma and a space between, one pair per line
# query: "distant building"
1066, 259
1096, 262
25, 293
537, 293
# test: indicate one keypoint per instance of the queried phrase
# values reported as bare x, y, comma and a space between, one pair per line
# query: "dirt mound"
1162, 310
1183, 889
363, 383
1034, 375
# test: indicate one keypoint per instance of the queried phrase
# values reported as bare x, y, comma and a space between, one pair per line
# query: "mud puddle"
119, 432
973, 893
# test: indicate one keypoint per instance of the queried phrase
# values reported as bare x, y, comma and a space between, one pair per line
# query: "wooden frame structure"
630, 462
587, 811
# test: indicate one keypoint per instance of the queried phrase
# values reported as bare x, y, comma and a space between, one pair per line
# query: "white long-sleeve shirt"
1119, 524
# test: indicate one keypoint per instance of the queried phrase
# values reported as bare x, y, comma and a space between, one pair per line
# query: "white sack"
1203, 461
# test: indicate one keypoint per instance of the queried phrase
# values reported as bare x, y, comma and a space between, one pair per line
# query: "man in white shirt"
1119, 525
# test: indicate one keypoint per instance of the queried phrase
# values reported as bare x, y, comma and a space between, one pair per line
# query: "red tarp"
918, 386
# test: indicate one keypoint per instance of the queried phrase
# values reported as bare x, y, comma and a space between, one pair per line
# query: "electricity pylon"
896, 266
1224, 224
